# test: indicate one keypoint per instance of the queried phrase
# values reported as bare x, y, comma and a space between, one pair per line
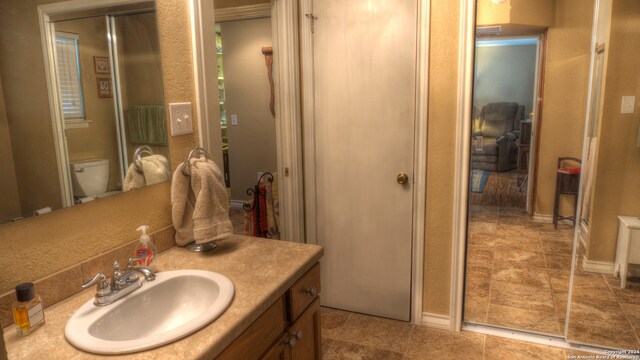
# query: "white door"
364, 79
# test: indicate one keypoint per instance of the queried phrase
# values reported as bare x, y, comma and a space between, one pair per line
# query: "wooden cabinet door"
279, 351
306, 331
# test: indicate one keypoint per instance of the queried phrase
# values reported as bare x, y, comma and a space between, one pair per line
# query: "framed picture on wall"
105, 89
101, 64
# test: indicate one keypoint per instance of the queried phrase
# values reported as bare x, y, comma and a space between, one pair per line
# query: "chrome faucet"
122, 283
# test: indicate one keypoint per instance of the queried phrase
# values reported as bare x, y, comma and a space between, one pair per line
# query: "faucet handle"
103, 284
133, 261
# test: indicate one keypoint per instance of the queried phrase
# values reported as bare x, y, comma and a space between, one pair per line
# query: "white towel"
155, 169
199, 203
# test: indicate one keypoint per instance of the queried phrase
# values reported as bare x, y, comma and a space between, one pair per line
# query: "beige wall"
140, 68
536, 13
252, 143
218, 4
488, 13
618, 169
521, 12
565, 97
443, 71
10, 203
21, 62
505, 73
100, 139
36, 247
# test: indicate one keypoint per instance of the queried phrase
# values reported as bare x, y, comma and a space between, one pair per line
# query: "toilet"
89, 178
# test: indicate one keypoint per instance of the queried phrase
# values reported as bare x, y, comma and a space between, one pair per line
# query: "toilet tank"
89, 177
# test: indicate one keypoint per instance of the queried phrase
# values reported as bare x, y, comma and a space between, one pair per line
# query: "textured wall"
565, 97
218, 4
10, 204
618, 169
22, 62
141, 70
252, 143
521, 12
443, 73
40, 246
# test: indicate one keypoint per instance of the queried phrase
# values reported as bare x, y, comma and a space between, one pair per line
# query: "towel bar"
194, 153
137, 157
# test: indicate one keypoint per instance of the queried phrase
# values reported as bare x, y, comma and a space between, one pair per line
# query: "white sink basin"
174, 305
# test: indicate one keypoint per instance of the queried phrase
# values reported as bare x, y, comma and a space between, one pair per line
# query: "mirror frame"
466, 54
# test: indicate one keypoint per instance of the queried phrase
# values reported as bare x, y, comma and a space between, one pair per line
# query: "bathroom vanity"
275, 313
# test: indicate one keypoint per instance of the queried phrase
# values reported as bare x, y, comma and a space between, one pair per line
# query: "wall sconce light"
498, 2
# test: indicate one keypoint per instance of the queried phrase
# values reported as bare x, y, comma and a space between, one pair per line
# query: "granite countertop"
261, 271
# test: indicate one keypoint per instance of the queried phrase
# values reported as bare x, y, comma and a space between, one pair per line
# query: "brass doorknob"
402, 178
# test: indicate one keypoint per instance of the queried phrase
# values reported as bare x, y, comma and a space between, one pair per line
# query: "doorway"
506, 84
364, 130
248, 122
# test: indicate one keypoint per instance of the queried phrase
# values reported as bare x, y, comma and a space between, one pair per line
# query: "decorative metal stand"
256, 193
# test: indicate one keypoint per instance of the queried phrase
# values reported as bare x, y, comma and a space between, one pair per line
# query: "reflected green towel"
147, 125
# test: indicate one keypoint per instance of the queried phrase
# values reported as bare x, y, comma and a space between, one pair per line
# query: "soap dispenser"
146, 251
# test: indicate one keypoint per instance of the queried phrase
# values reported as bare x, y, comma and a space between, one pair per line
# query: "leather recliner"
494, 138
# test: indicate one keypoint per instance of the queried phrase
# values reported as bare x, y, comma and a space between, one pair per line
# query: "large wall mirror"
553, 164
529, 99
88, 124
605, 297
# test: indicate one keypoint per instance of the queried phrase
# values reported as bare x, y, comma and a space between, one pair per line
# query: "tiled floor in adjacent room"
518, 270
348, 335
602, 312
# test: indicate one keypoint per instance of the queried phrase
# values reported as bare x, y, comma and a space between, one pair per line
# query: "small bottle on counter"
28, 311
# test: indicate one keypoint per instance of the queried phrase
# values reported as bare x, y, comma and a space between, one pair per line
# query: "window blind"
69, 81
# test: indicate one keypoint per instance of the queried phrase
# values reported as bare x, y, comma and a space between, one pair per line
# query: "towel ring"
186, 171
137, 157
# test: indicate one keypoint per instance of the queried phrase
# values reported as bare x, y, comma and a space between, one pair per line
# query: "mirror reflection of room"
605, 300
245, 85
104, 75
527, 59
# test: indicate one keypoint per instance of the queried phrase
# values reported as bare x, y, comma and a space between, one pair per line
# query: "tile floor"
236, 215
602, 312
517, 270
348, 335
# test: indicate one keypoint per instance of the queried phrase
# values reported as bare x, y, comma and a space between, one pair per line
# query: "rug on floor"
478, 180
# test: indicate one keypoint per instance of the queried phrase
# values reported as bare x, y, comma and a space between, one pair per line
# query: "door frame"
284, 23
420, 144
537, 123
466, 54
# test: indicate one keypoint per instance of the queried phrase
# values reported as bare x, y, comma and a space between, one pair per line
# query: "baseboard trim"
598, 267
548, 219
436, 321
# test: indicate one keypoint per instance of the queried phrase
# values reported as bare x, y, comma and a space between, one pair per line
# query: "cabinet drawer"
259, 336
303, 292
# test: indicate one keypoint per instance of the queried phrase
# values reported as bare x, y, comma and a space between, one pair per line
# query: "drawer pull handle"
311, 291
290, 342
298, 334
